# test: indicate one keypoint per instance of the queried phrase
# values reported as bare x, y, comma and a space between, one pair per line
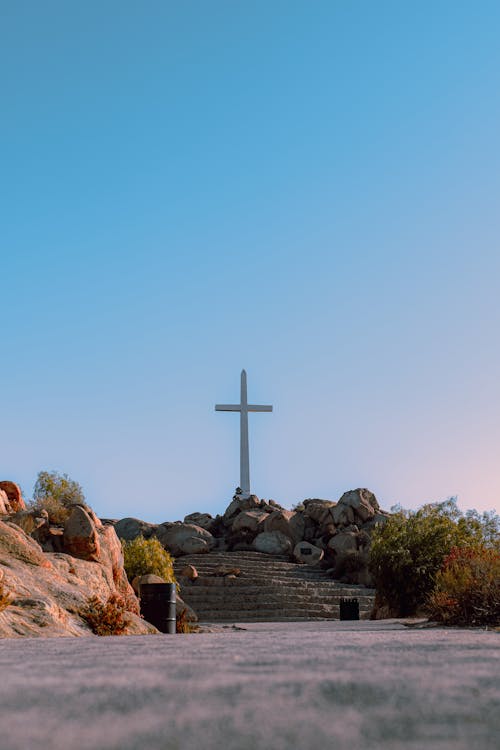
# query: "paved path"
278, 686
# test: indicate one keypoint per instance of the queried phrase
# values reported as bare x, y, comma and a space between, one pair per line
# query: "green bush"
409, 550
143, 556
467, 588
56, 493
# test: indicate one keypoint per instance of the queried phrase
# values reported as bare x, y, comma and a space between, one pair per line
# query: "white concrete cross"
243, 407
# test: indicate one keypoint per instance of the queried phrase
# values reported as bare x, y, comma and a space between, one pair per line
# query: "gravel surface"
271, 686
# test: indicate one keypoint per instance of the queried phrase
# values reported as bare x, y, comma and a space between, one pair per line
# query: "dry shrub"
467, 590
182, 625
5, 596
105, 618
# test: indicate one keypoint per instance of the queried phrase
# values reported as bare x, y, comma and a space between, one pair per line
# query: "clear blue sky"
309, 190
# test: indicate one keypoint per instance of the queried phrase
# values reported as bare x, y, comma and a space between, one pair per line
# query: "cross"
243, 407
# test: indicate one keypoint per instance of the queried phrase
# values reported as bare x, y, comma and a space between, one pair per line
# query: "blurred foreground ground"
277, 686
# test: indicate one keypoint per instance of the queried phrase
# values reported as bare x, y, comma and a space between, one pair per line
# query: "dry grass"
105, 618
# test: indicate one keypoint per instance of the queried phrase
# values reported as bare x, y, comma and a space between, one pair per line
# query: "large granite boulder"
343, 542
14, 496
131, 528
249, 520
307, 553
184, 538
238, 504
80, 535
272, 543
362, 502
289, 522
205, 520
318, 510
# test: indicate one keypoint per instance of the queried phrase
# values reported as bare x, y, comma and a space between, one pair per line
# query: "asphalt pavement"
276, 686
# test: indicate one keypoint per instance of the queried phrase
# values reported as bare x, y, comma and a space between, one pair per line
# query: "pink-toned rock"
288, 522
146, 578
80, 535
49, 590
189, 572
16, 544
14, 495
249, 520
5, 508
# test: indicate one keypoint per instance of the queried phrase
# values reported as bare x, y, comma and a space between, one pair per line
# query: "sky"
308, 190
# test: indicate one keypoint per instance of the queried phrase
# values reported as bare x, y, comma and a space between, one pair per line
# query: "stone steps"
267, 589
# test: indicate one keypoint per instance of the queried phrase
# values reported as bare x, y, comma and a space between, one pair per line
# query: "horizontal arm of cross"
253, 407
227, 407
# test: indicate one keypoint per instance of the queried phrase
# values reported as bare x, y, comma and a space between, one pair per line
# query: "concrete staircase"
269, 588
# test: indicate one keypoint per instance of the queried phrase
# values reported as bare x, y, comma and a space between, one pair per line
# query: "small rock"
189, 572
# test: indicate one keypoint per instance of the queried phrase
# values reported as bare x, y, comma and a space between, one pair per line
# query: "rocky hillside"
335, 536
48, 573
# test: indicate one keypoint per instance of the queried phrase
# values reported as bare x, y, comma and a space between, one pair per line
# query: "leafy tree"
409, 550
56, 493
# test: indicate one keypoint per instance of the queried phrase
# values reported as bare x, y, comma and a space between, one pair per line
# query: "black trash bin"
349, 609
158, 605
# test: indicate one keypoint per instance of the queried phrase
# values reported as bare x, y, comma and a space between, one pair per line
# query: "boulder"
181, 606
318, 510
29, 520
131, 528
14, 496
238, 504
16, 544
204, 520
249, 520
363, 503
289, 522
343, 542
146, 578
304, 552
189, 572
50, 590
273, 543
80, 535
342, 515
5, 508
184, 538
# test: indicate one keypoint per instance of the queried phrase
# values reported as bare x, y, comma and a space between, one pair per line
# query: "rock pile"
52, 571
334, 535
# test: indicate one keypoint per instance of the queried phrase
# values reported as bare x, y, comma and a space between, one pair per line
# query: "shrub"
143, 556
105, 618
408, 551
182, 625
56, 493
467, 590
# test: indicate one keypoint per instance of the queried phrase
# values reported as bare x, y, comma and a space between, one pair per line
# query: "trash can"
158, 605
349, 609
